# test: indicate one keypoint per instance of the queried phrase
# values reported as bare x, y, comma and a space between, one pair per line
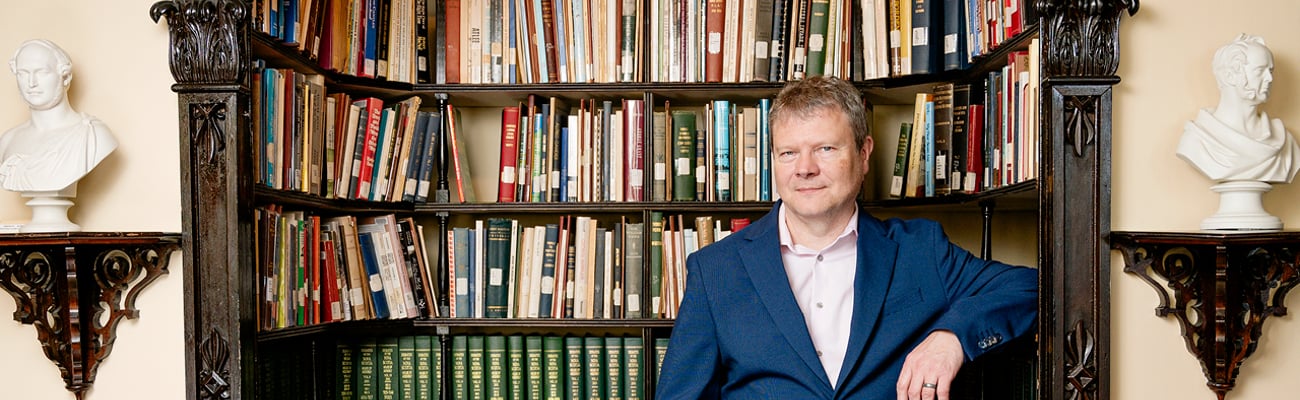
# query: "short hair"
814, 95
63, 62
1230, 60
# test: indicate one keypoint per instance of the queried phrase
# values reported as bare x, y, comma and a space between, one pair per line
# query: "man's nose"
806, 165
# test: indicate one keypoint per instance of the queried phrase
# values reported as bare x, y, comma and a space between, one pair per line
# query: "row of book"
482, 367
599, 153
316, 270
549, 41
971, 137
575, 268
334, 146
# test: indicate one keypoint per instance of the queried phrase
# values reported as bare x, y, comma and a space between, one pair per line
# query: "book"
406, 366
533, 361
614, 375
476, 349
378, 296
367, 377
927, 30
517, 368
509, 154
943, 126
463, 184
722, 150
498, 267
553, 368
574, 367
388, 360
428, 382
460, 367
593, 355
634, 359
345, 383
683, 154
497, 376
656, 262
899, 176
634, 267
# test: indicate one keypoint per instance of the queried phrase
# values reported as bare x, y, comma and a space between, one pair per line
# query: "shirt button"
819, 304
819, 257
819, 353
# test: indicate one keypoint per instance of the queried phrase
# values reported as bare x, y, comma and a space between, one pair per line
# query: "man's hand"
930, 367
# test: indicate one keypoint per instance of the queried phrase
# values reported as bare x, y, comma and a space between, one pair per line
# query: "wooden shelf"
434, 325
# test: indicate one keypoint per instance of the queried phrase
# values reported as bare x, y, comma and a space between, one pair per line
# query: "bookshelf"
213, 48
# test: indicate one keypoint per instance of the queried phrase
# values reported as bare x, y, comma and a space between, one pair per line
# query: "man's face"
1259, 74
818, 168
39, 80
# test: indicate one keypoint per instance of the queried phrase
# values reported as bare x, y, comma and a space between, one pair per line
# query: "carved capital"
1081, 37
207, 39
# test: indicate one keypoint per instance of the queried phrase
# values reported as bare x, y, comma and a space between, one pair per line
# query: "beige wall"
120, 75
1167, 50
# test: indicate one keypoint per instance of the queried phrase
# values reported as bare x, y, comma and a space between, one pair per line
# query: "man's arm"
692, 361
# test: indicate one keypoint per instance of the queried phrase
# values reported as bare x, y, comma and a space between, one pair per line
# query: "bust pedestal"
1241, 207
50, 210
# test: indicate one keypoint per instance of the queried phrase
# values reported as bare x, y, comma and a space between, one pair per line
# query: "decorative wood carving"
1081, 362
214, 366
207, 39
1220, 287
1081, 37
208, 119
1081, 122
64, 284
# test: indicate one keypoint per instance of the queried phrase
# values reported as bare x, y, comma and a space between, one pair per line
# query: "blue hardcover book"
765, 151
512, 73
268, 123
929, 149
973, 28
722, 149
432, 150
274, 18
927, 29
548, 270
289, 22
372, 38
541, 186
954, 28
415, 154
371, 262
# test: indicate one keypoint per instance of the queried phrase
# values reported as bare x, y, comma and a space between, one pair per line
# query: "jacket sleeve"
691, 368
990, 303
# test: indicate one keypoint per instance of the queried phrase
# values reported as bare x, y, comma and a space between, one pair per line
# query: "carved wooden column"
1080, 55
208, 60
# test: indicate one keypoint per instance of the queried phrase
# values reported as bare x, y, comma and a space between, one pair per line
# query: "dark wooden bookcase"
211, 52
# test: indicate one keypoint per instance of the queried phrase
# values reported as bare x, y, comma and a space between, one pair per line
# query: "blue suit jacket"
740, 334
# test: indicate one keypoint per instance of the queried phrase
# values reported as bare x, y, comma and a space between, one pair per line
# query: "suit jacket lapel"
762, 259
875, 271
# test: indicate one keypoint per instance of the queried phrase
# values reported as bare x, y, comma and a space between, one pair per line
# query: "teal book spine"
634, 359
553, 365
515, 368
574, 361
477, 368
497, 383
460, 367
614, 368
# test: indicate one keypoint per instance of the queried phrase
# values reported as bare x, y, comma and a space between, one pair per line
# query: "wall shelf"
66, 284
1219, 286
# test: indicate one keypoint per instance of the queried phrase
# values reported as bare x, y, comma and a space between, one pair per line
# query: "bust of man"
58, 145
1236, 141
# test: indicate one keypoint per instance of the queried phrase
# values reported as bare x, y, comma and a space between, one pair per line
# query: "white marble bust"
1236, 141
58, 145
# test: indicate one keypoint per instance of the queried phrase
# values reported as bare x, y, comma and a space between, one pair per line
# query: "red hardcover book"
373, 108
509, 154
453, 41
332, 310
738, 223
714, 20
974, 149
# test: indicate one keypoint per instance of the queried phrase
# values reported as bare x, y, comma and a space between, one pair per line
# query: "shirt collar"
788, 242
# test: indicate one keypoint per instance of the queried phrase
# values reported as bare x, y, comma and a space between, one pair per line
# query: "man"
1236, 141
819, 300
58, 145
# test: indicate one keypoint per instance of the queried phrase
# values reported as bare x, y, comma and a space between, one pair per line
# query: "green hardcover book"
899, 179
388, 360
498, 268
656, 262
818, 23
345, 384
460, 367
634, 358
406, 367
614, 368
515, 368
424, 384
553, 367
533, 366
368, 369
661, 349
574, 360
477, 368
593, 348
684, 156
658, 154
497, 383
435, 368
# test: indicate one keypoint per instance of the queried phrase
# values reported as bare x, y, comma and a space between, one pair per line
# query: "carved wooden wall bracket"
1219, 286
65, 284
